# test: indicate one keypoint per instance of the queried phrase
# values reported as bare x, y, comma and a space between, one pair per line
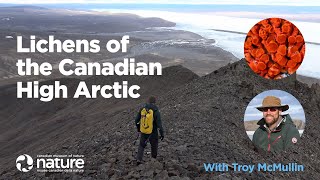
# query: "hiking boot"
138, 162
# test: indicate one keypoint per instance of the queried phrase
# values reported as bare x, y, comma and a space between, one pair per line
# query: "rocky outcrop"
203, 121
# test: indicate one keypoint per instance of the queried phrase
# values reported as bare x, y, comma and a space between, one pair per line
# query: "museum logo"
51, 163
24, 163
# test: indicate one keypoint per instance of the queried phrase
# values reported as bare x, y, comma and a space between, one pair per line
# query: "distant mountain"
63, 24
11, 7
34, 18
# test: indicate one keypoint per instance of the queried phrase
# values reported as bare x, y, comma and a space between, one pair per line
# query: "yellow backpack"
146, 121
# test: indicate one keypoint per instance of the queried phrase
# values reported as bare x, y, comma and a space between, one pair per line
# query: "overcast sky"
246, 2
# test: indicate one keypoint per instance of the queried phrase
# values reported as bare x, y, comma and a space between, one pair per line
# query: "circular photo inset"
274, 120
274, 48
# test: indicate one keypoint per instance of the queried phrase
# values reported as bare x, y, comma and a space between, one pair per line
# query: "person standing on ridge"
148, 121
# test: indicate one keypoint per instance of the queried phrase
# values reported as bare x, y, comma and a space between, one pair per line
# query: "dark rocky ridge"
308, 80
23, 121
203, 121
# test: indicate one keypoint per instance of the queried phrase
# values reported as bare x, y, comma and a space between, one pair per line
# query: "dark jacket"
284, 136
157, 124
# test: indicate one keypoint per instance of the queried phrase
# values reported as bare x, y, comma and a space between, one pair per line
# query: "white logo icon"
26, 161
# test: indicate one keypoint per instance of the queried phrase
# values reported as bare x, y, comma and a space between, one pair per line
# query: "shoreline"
162, 50
237, 32
230, 38
169, 45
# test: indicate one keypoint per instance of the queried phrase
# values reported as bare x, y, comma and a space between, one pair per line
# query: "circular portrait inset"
274, 120
274, 48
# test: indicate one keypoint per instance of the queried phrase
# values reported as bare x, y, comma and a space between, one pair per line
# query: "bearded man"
276, 132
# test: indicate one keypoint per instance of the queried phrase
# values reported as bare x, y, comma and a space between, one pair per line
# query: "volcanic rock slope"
29, 125
203, 122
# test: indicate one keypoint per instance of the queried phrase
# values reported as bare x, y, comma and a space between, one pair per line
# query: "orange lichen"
259, 52
292, 39
286, 28
255, 40
292, 50
273, 71
282, 61
274, 47
264, 22
275, 22
299, 39
295, 31
281, 38
282, 49
291, 64
263, 34
296, 57
261, 66
248, 57
264, 58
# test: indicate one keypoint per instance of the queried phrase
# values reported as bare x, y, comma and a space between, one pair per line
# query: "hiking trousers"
144, 138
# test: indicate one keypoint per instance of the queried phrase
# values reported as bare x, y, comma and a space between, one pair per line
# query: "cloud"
243, 2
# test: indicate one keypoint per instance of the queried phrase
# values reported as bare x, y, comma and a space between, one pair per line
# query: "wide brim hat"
272, 101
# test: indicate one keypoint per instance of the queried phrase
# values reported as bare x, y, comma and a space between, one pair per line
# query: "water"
301, 7
199, 18
204, 23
